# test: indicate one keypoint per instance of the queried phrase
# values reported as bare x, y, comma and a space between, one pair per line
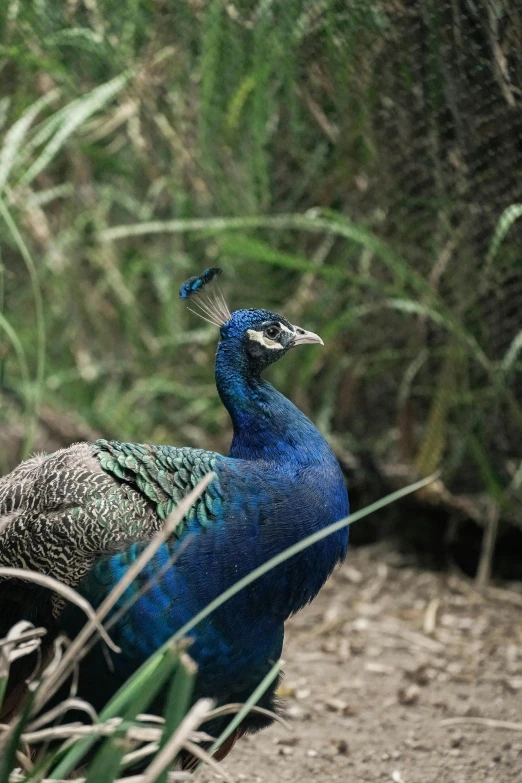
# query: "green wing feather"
164, 475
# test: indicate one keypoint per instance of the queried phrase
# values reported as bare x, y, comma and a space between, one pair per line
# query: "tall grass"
343, 170
258, 134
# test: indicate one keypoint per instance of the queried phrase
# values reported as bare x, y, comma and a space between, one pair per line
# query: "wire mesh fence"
365, 158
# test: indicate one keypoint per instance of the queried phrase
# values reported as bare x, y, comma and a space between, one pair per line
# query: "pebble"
409, 695
289, 742
342, 747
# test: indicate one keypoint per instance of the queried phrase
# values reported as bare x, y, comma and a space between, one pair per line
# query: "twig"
489, 539
501, 63
56, 712
414, 637
499, 594
430, 616
490, 723
26, 636
140, 753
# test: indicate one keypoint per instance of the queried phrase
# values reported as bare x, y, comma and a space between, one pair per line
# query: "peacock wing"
164, 475
60, 512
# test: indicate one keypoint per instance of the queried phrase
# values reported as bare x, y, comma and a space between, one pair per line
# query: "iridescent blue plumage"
196, 284
279, 483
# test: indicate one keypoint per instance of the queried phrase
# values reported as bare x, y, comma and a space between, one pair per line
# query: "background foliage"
363, 159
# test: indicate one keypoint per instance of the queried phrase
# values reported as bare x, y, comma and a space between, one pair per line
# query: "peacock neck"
266, 424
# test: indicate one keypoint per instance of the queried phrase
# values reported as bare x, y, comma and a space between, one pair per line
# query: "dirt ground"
395, 674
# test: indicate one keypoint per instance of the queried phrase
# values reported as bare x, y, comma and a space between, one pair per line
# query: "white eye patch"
260, 338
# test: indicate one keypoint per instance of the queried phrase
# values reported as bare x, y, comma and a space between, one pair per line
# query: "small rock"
473, 711
296, 712
289, 742
422, 675
409, 695
352, 575
329, 646
312, 753
340, 706
285, 751
397, 777
285, 691
378, 668
341, 747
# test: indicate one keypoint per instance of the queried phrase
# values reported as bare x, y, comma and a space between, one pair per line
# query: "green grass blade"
512, 353
40, 322
178, 701
78, 112
128, 692
8, 754
507, 218
3, 687
263, 686
19, 350
16, 135
105, 765
246, 247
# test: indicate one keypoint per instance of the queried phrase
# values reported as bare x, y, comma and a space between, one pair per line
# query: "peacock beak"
302, 337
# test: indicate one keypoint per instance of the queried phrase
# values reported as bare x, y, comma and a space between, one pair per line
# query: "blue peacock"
85, 513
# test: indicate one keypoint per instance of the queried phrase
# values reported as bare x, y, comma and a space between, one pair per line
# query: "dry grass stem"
232, 709
66, 592
178, 740
489, 723
207, 759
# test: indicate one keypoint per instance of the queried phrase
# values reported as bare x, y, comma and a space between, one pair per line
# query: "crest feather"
205, 293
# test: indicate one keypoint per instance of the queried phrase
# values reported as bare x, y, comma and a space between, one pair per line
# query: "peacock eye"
273, 332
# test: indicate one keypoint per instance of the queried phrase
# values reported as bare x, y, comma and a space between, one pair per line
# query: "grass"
134, 155
334, 159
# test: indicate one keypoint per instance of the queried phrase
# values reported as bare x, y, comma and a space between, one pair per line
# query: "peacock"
85, 513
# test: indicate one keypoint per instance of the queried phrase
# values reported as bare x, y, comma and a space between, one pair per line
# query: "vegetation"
353, 165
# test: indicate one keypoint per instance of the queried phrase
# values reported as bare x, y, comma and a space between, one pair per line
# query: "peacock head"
261, 337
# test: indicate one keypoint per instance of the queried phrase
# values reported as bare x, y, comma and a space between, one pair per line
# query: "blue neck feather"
268, 427
266, 424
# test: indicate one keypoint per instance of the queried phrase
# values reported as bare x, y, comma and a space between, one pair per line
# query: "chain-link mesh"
399, 124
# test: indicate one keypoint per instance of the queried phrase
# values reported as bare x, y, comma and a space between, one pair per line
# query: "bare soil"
395, 674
